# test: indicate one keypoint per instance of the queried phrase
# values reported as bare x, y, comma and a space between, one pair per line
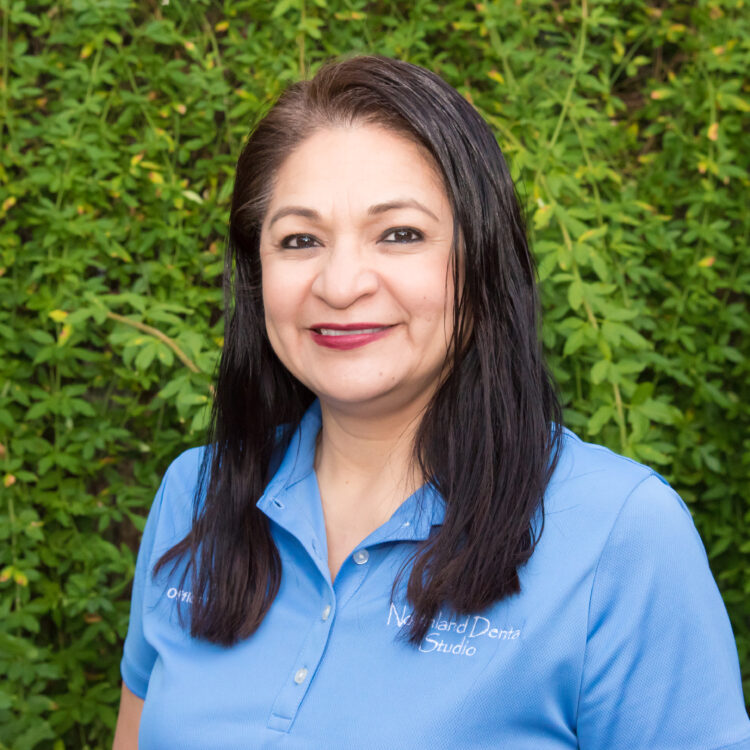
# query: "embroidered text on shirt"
475, 626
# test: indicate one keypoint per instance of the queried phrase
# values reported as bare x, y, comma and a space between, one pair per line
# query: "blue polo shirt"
618, 640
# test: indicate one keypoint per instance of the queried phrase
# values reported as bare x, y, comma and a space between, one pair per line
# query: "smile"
351, 332
347, 337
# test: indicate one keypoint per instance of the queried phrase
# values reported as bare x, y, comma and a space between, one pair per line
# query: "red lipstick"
350, 336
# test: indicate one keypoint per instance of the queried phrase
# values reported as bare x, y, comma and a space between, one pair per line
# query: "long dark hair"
487, 441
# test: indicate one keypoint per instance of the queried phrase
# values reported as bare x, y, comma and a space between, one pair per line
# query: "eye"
403, 235
299, 241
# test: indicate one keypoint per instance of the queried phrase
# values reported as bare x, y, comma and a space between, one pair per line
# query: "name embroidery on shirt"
180, 594
472, 627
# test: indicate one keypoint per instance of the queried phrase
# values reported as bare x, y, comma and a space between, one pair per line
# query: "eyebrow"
378, 208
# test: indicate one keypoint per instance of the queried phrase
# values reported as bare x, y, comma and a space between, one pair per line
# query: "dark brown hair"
487, 440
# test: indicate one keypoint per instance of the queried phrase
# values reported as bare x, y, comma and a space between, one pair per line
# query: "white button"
361, 556
300, 675
326, 612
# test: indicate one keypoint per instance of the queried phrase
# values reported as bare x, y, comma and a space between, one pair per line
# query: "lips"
348, 331
349, 336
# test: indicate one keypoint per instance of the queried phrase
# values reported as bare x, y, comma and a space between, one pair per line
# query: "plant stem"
577, 60
156, 333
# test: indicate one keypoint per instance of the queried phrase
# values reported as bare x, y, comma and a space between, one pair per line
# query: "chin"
376, 402
352, 397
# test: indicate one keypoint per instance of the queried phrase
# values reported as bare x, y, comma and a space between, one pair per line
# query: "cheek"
431, 306
279, 298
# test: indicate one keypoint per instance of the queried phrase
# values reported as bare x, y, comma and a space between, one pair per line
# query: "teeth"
350, 332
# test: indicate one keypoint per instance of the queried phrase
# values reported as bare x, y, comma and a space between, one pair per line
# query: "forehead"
361, 164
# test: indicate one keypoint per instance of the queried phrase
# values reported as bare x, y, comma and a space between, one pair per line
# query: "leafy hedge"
121, 120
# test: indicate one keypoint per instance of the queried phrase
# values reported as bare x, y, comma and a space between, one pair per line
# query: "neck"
365, 464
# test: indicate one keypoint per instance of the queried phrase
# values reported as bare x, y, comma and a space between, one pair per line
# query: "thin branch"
577, 61
156, 333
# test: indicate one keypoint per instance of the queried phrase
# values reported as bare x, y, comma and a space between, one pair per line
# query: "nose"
345, 276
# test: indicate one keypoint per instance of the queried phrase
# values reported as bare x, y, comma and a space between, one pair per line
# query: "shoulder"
594, 491
599, 478
172, 511
183, 472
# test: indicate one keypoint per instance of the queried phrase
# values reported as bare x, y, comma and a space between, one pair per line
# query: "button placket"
352, 575
290, 698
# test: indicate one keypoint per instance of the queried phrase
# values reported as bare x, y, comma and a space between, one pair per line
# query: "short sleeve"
661, 670
138, 655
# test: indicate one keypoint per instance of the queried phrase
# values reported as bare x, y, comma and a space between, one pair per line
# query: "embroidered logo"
470, 628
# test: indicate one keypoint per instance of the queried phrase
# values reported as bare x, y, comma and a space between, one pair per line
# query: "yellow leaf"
86, 51
713, 131
67, 329
589, 233
707, 262
222, 26
9, 203
20, 578
661, 93
496, 76
9, 480
189, 46
135, 159
156, 178
58, 315
542, 217
192, 196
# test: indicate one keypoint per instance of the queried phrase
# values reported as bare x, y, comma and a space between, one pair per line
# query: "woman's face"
357, 283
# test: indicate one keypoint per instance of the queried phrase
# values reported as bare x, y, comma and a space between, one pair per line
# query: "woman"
393, 542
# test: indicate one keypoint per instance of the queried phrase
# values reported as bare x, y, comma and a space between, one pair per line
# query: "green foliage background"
121, 122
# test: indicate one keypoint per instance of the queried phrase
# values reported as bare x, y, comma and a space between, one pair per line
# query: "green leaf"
600, 371
146, 355
600, 417
575, 294
659, 411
